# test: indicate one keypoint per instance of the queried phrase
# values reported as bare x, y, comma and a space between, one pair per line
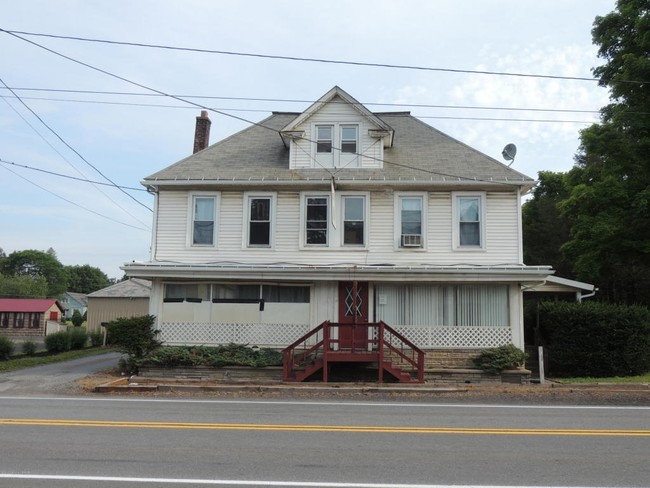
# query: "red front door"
353, 309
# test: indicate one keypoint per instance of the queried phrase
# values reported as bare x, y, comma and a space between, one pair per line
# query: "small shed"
29, 317
129, 298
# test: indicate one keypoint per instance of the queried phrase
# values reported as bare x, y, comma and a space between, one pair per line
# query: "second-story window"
317, 212
354, 220
203, 220
410, 215
259, 221
469, 221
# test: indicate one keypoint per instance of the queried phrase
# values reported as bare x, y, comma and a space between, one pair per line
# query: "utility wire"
68, 161
311, 60
73, 203
234, 109
293, 100
74, 150
85, 180
258, 124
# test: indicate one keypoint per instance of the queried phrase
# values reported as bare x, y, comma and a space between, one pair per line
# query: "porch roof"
339, 272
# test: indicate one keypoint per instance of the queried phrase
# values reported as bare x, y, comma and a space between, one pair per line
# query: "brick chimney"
202, 132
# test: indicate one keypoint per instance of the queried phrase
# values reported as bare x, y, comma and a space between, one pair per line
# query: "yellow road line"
322, 428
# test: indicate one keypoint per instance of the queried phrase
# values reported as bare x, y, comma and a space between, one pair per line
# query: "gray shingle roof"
132, 288
419, 153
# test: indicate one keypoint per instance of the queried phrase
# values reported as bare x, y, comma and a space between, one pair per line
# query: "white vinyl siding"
171, 241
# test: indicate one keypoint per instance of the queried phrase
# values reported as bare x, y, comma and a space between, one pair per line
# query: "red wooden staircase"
369, 342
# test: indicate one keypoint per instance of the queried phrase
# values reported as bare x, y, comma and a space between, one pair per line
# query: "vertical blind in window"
479, 305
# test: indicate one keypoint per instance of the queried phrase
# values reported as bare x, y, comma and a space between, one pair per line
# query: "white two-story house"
339, 215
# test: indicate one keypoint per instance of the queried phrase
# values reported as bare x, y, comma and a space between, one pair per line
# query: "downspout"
154, 231
588, 295
520, 230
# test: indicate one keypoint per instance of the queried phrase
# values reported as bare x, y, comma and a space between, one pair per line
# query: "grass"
21, 362
615, 379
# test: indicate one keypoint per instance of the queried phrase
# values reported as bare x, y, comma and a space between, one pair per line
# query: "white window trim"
246, 220
339, 159
366, 212
190, 219
455, 208
397, 219
334, 228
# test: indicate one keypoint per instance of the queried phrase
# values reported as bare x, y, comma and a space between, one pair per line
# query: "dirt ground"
551, 393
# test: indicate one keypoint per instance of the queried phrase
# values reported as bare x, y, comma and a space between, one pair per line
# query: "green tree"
609, 204
86, 279
77, 319
35, 264
545, 230
22, 287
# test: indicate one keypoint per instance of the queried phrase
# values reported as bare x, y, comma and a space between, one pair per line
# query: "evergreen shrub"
218, 356
496, 359
29, 348
78, 337
57, 342
592, 339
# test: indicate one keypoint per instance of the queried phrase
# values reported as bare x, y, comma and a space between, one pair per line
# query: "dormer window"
336, 145
349, 135
324, 138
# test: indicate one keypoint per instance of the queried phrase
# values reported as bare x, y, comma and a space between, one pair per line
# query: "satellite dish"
509, 152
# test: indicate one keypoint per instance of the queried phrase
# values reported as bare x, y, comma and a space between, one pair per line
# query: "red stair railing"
370, 342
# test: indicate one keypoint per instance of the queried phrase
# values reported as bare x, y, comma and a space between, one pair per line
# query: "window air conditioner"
411, 240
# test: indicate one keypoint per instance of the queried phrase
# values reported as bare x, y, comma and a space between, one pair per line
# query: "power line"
74, 203
235, 109
257, 124
75, 151
304, 59
293, 100
85, 180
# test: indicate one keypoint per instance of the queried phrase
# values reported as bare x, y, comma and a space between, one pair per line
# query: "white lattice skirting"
267, 335
281, 335
461, 336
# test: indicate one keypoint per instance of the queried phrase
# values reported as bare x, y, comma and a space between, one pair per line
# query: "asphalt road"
50, 378
70, 442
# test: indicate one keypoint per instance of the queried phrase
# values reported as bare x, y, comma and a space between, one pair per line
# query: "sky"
94, 110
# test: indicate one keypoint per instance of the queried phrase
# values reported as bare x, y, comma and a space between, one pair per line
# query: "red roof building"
28, 316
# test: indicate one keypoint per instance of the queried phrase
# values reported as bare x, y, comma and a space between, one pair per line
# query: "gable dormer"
337, 132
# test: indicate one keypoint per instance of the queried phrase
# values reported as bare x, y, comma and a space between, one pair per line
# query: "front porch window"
433, 305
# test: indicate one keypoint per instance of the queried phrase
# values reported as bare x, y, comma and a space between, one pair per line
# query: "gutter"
342, 183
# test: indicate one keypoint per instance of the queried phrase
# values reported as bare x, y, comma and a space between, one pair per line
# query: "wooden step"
401, 376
